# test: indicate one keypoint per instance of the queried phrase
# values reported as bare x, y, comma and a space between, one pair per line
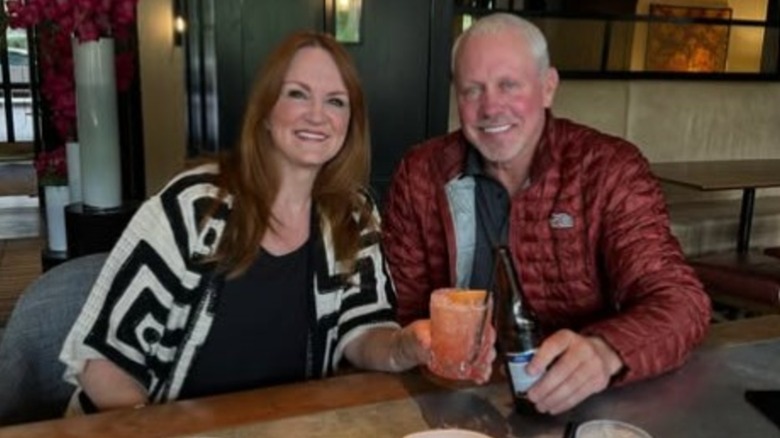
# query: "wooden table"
385, 405
746, 175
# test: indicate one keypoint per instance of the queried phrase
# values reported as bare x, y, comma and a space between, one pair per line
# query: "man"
580, 210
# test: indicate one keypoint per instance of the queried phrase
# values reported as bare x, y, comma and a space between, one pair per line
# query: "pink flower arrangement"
87, 20
52, 167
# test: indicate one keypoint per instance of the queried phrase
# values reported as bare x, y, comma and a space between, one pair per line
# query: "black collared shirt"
492, 218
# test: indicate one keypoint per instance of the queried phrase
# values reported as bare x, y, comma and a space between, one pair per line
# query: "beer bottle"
517, 329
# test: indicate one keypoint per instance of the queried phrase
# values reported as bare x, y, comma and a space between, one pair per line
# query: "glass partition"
698, 39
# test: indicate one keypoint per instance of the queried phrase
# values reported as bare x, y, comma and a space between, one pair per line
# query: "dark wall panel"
266, 23
246, 31
393, 60
393, 63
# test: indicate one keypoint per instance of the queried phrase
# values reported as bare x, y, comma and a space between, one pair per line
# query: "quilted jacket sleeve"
662, 310
403, 244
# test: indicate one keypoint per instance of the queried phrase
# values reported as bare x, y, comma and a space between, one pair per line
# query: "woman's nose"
316, 112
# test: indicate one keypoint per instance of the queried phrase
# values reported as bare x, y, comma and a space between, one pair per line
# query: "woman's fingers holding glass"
420, 335
482, 367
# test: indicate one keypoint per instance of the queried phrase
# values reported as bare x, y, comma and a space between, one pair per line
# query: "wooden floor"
20, 264
17, 178
20, 244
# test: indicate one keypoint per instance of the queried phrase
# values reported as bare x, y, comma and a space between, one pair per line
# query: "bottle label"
516, 362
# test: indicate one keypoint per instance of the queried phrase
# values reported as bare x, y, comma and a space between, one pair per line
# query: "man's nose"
492, 101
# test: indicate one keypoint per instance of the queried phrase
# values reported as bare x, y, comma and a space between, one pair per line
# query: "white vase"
74, 170
56, 199
98, 123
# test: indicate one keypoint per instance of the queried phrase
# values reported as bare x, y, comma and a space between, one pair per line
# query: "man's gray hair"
498, 22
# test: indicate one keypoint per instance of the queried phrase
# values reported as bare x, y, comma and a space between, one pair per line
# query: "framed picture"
680, 45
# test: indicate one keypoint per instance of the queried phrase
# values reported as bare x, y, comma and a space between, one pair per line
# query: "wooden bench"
773, 251
748, 281
738, 285
704, 227
701, 121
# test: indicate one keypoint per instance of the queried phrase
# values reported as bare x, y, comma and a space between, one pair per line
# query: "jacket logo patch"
561, 220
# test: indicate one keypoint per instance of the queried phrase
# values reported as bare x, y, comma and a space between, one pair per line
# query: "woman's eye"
337, 102
296, 94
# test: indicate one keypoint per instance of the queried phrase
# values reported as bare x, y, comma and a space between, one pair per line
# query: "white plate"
447, 433
610, 429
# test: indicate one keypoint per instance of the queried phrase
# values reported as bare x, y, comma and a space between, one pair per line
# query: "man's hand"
577, 367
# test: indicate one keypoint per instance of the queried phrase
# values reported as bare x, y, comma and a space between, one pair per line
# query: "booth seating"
750, 282
709, 226
773, 252
701, 121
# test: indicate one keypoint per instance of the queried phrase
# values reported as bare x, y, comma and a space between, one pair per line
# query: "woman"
263, 268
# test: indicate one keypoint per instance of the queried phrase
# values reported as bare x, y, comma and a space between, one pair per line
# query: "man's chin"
497, 152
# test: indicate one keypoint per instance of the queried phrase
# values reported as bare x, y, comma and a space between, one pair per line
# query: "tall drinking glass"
458, 325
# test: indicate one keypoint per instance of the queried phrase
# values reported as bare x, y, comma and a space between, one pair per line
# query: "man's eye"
508, 85
471, 92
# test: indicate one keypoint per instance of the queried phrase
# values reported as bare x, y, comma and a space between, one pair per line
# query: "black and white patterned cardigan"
151, 307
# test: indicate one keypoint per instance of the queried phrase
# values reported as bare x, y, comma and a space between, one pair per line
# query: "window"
650, 38
16, 105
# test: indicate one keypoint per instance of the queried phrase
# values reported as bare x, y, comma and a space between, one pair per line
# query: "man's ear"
550, 84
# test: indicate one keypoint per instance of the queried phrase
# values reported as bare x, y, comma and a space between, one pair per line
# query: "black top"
492, 205
260, 330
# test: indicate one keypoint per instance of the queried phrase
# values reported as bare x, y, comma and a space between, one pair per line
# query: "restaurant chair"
748, 282
31, 384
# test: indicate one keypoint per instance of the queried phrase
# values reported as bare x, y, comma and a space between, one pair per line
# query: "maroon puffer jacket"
614, 271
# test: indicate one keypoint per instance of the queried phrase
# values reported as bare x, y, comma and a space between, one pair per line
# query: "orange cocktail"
458, 320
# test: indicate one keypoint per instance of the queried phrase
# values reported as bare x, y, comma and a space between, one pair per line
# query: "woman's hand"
481, 367
109, 387
391, 349
414, 342
387, 349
